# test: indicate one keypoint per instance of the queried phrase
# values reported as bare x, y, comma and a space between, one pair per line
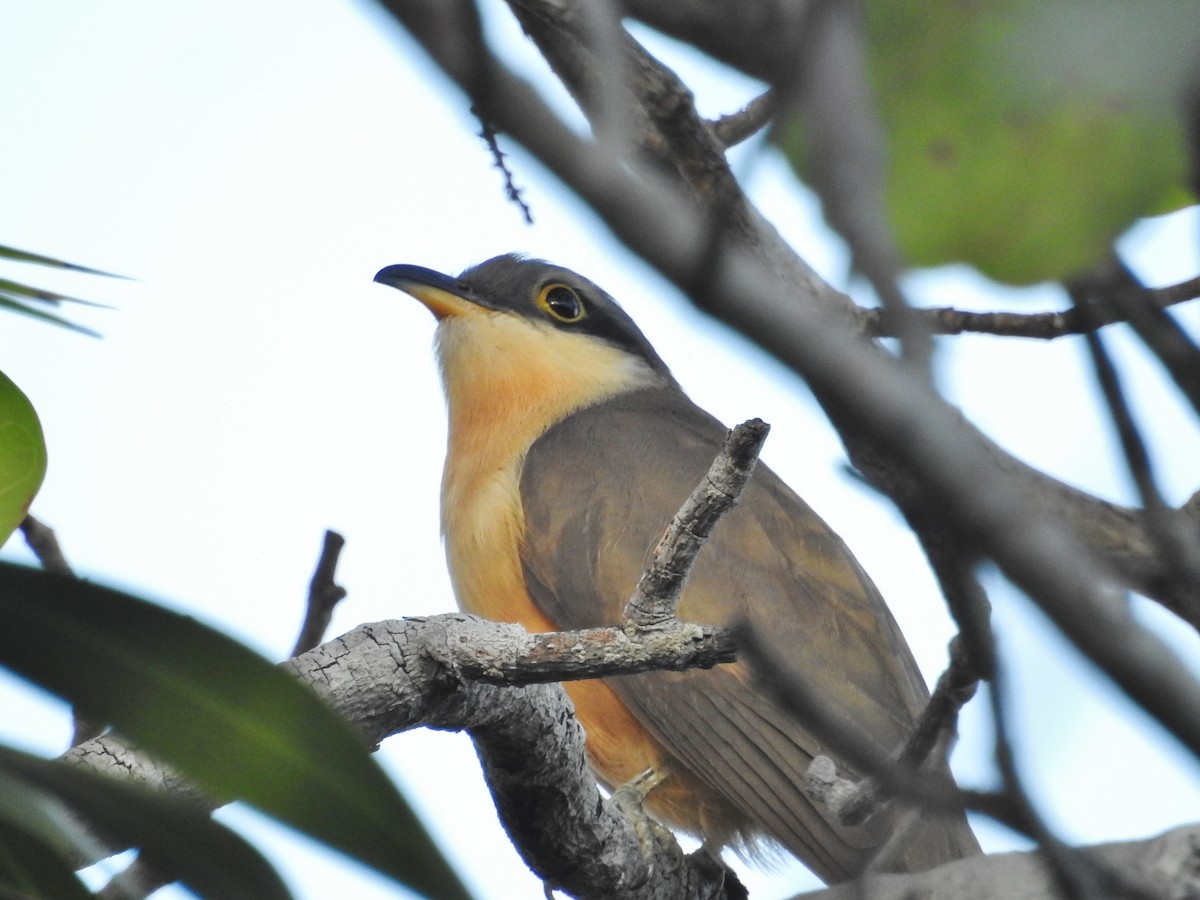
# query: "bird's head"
518, 332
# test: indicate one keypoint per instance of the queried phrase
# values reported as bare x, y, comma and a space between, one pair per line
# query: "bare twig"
568, 841
1175, 533
1044, 326
656, 597
499, 157
852, 803
573, 841
42, 540
846, 162
1115, 287
736, 127
667, 129
916, 787
1078, 876
972, 657
323, 595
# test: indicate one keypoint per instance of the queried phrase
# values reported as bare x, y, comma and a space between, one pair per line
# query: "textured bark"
1167, 866
391, 676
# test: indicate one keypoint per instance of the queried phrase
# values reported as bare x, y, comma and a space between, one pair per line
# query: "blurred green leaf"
22, 456
15, 305
27, 257
203, 703
30, 867
44, 817
174, 838
1024, 136
16, 290
14, 295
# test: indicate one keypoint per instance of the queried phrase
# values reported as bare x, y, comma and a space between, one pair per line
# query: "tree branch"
637, 104
758, 37
1111, 288
737, 127
1075, 880
388, 677
42, 540
656, 597
520, 658
323, 595
1164, 866
1044, 326
499, 161
853, 803
1176, 535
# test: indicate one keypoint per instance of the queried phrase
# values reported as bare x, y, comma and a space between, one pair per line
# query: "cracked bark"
388, 677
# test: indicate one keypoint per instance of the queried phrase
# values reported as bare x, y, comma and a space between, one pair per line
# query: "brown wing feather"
597, 490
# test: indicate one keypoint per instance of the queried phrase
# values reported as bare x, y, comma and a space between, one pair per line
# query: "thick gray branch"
516, 657
391, 676
1167, 866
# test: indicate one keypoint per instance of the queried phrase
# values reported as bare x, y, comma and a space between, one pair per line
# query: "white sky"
253, 166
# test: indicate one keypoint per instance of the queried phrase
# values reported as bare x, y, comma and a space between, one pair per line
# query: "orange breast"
484, 525
483, 550
502, 396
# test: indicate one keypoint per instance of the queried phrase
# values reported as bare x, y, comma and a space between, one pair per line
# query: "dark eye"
561, 302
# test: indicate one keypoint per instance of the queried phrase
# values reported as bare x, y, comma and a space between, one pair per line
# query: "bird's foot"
630, 799
638, 788
713, 879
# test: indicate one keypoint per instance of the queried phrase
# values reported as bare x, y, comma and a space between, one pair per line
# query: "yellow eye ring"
561, 303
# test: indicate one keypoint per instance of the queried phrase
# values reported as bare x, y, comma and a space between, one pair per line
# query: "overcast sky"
252, 166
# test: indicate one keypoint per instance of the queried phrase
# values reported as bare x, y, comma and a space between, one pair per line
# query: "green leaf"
1024, 136
22, 456
15, 289
11, 303
45, 818
30, 867
25, 256
13, 294
174, 838
203, 703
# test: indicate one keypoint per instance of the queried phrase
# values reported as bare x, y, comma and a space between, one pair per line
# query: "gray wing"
597, 490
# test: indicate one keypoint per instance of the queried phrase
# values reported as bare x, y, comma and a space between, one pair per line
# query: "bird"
570, 446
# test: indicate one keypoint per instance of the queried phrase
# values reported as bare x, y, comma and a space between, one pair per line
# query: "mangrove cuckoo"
570, 448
